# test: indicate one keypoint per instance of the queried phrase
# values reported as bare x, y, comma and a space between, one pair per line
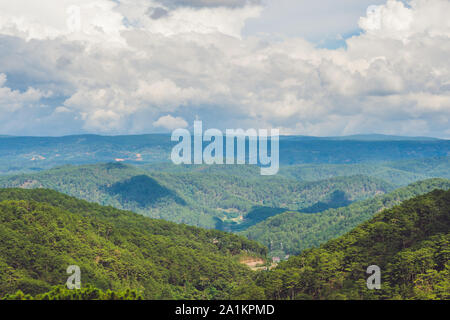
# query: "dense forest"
214, 200
384, 171
410, 243
293, 232
126, 256
337, 205
43, 232
85, 293
397, 173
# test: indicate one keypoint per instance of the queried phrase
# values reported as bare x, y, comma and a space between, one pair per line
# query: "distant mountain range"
20, 154
359, 137
364, 137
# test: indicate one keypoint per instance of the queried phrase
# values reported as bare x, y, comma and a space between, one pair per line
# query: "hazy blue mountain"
25, 154
363, 137
381, 137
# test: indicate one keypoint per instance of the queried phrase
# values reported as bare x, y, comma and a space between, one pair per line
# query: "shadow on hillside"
143, 191
336, 199
254, 216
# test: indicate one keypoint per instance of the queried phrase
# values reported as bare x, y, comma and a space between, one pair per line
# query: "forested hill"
213, 200
410, 243
292, 232
42, 232
399, 173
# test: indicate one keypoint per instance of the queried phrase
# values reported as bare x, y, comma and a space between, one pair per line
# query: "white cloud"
21, 110
84, 20
209, 3
392, 19
126, 72
168, 21
397, 21
170, 123
13, 100
319, 21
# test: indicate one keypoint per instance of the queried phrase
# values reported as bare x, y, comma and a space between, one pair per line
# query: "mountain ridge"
192, 197
43, 232
297, 231
408, 243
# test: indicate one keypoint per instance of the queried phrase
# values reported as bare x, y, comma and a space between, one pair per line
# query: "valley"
143, 228
127, 256
209, 200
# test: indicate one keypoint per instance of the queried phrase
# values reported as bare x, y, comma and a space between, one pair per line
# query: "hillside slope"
42, 232
120, 250
292, 232
213, 200
399, 173
410, 243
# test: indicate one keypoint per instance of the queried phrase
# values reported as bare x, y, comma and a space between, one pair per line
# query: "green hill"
293, 232
399, 173
314, 172
433, 167
123, 255
42, 232
410, 244
213, 199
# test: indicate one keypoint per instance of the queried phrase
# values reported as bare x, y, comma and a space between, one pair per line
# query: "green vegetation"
126, 256
88, 293
43, 232
293, 232
327, 188
215, 199
399, 173
433, 167
410, 243
314, 172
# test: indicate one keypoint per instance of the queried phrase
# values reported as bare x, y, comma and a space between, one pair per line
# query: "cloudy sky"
320, 67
